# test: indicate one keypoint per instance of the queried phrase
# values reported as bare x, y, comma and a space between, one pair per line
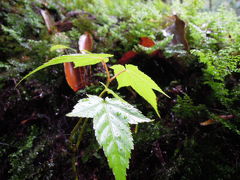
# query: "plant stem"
74, 165
76, 127
116, 75
103, 92
81, 132
107, 71
136, 129
109, 80
75, 148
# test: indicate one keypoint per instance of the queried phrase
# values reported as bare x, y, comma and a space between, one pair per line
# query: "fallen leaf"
127, 57
146, 42
177, 29
212, 121
208, 122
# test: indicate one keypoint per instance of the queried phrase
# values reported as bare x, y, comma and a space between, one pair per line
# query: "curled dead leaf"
85, 42
78, 78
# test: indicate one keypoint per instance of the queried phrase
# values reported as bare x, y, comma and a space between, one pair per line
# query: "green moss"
185, 108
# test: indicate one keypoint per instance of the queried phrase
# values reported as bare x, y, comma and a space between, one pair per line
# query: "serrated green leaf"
139, 81
111, 118
114, 135
87, 107
77, 59
59, 47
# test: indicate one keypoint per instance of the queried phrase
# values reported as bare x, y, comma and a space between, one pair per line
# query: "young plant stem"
75, 147
80, 137
75, 129
107, 71
136, 129
103, 92
109, 79
116, 75
77, 126
74, 165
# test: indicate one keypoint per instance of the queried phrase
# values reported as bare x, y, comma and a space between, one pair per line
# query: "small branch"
116, 75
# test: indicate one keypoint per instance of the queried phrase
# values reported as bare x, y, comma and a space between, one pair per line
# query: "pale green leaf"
59, 47
87, 107
111, 118
126, 110
78, 59
139, 81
